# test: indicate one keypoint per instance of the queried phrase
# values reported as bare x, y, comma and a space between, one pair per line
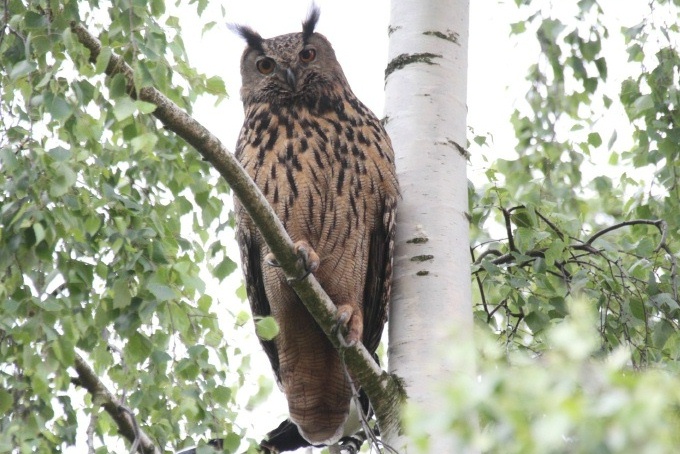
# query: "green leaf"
143, 77
637, 309
157, 7
60, 154
63, 349
161, 291
232, 442
518, 28
664, 301
22, 69
635, 53
215, 86
123, 108
242, 318
187, 369
241, 292
601, 64
645, 247
39, 232
138, 348
146, 142
661, 333
266, 328
594, 139
555, 252
207, 27
222, 395
225, 268
145, 107
6, 401
57, 106
64, 179
537, 321
180, 319
103, 59
521, 218
202, 4
643, 104
480, 140
118, 88
610, 144
121, 294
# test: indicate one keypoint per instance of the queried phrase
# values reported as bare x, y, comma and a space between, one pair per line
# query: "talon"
270, 260
350, 318
290, 280
310, 259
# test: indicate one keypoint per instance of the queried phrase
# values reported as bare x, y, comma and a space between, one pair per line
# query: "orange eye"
265, 65
307, 55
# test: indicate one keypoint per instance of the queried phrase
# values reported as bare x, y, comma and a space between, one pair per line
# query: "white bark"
426, 110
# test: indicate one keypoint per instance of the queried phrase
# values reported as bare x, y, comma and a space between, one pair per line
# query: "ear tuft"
309, 23
252, 37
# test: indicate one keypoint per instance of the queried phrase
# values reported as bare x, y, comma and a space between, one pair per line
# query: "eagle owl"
326, 166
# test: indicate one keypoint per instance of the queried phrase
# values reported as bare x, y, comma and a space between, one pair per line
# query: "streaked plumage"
326, 165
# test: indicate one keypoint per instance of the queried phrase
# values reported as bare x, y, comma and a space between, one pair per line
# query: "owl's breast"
320, 170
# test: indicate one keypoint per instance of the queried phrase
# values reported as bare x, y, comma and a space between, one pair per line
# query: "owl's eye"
307, 55
265, 65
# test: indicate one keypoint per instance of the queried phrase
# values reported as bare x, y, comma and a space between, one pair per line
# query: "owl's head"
288, 69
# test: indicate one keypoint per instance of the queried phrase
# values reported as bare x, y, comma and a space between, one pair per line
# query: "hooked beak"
291, 79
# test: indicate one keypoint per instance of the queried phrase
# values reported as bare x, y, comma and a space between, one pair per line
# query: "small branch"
135, 427
363, 368
127, 425
509, 258
508, 229
554, 228
658, 223
481, 257
479, 283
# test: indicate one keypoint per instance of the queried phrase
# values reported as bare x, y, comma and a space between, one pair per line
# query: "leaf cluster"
550, 225
567, 400
101, 235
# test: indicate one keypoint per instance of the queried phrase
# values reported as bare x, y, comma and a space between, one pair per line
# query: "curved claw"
298, 279
270, 260
349, 317
310, 259
306, 254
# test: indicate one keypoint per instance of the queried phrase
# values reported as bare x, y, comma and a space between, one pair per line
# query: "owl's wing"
259, 304
379, 275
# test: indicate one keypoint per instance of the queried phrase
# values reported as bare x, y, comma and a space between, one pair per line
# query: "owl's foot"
351, 319
310, 259
306, 254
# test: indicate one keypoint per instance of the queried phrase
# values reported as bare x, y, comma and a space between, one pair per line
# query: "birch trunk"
426, 83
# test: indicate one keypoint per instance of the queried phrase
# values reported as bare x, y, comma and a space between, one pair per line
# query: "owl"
325, 164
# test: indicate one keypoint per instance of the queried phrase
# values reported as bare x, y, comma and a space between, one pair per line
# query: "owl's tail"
287, 437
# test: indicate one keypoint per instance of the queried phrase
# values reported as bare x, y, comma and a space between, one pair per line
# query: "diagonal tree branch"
383, 391
88, 379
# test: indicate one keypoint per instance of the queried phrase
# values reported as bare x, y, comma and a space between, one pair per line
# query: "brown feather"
326, 166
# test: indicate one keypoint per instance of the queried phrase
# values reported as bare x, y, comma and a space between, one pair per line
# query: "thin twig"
508, 228
94, 416
127, 425
551, 225
658, 224
135, 427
